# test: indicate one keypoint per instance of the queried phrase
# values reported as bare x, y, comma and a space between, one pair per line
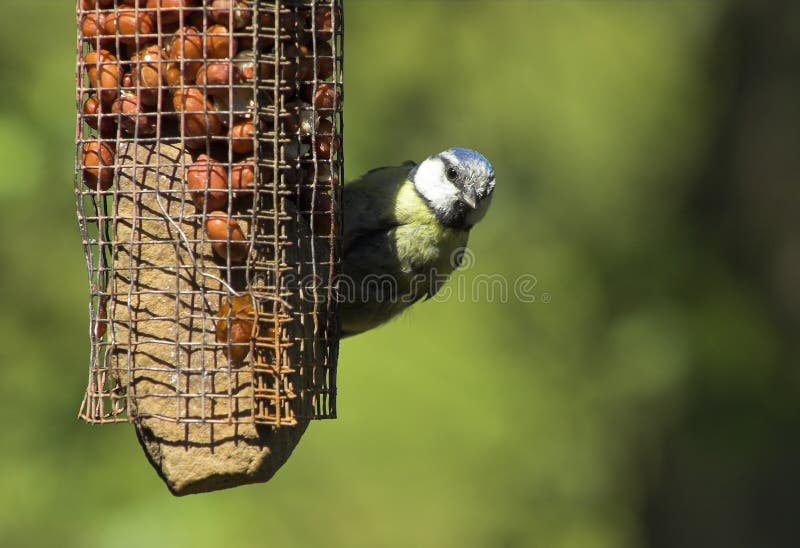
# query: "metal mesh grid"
209, 157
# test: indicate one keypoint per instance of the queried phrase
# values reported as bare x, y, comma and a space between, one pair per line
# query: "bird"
404, 231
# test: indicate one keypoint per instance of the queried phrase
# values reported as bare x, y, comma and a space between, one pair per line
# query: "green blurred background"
647, 158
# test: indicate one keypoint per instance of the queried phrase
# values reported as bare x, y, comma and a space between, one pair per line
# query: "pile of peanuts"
184, 71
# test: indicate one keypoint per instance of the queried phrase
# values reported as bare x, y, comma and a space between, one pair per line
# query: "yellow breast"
423, 243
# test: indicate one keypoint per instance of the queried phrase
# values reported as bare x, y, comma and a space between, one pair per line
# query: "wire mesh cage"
207, 187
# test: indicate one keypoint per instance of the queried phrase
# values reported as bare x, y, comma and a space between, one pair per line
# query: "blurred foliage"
649, 395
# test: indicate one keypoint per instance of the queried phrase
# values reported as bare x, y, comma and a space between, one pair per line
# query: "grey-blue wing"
370, 291
369, 203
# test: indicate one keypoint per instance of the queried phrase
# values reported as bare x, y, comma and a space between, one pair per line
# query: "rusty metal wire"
209, 158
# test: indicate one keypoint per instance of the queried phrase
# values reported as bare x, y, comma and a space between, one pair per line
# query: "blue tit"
404, 229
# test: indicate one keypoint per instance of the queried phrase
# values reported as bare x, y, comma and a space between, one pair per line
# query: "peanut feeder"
207, 185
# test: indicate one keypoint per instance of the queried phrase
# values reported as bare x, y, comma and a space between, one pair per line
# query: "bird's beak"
470, 199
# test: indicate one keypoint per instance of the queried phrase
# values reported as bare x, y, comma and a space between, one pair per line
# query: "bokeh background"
648, 166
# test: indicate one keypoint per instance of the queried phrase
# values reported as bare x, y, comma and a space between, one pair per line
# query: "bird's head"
457, 184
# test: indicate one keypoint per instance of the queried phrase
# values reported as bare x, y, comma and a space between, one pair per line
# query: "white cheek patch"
432, 184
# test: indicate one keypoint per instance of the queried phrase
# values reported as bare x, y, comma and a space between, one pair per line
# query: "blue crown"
468, 156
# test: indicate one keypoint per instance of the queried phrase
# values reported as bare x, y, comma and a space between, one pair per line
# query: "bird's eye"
452, 173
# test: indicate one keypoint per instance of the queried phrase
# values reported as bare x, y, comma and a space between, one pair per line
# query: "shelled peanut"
234, 327
226, 235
